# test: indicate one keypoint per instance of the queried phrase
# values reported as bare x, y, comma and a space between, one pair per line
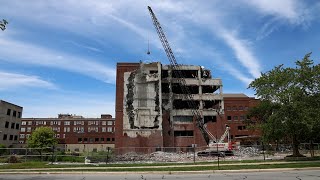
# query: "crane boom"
178, 73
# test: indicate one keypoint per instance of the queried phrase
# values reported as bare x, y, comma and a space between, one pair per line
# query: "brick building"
236, 107
151, 110
10, 120
74, 133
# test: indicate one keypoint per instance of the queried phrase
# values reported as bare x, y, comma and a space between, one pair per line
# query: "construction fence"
153, 155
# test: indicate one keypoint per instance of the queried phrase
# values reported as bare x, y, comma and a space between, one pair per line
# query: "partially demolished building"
152, 111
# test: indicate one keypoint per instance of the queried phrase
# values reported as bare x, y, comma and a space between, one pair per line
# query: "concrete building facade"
10, 120
152, 111
74, 133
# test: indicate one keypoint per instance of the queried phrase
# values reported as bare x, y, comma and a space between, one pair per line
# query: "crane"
180, 77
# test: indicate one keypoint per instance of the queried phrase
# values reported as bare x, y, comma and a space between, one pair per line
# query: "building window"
96, 140
109, 129
183, 133
102, 139
110, 123
104, 123
235, 117
241, 118
64, 136
112, 139
23, 130
16, 137
5, 137
241, 128
21, 142
14, 114
241, 108
11, 137
229, 118
104, 129
28, 135
56, 129
19, 114
28, 129
78, 129
7, 124
66, 129
29, 123
57, 135
9, 112
12, 125
22, 136
23, 123
228, 108
17, 126
79, 140
108, 139
67, 123
93, 129
91, 140
234, 108
85, 139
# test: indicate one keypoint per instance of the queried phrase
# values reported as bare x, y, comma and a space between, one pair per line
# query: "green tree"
290, 102
42, 138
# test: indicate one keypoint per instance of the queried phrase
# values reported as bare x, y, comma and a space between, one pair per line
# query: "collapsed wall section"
142, 113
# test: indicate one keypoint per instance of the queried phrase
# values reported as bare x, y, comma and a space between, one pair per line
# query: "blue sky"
60, 56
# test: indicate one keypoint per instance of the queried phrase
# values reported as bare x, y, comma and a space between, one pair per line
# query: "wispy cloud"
85, 46
31, 54
243, 53
13, 80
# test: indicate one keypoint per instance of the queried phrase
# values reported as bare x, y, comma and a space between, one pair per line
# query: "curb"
167, 172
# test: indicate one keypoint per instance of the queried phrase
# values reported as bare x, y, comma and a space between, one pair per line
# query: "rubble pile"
247, 152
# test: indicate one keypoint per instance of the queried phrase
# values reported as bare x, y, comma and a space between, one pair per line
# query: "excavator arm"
178, 73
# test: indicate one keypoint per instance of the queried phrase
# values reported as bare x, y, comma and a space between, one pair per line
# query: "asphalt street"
277, 175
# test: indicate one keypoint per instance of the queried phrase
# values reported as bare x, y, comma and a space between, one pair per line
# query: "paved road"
285, 175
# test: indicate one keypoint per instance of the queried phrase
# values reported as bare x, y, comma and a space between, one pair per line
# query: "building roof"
10, 103
235, 95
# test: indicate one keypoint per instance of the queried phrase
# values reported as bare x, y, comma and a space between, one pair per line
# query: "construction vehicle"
211, 141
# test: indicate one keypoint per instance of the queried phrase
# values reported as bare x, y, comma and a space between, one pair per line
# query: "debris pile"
247, 152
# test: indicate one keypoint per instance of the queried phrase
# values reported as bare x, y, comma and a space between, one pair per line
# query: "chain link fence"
154, 155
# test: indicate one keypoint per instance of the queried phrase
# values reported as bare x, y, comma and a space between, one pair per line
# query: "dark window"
14, 114
112, 139
210, 119
85, 139
234, 108
108, 139
229, 118
17, 126
19, 114
9, 112
183, 133
102, 139
241, 118
11, 137
15, 137
5, 137
12, 125
7, 124
79, 140
96, 140
91, 140
182, 118
241, 108
235, 117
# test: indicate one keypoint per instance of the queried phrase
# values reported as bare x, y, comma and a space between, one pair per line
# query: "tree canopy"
42, 137
290, 104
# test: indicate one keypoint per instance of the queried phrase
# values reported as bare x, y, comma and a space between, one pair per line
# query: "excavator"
213, 143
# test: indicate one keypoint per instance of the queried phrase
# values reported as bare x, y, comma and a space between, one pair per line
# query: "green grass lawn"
140, 167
